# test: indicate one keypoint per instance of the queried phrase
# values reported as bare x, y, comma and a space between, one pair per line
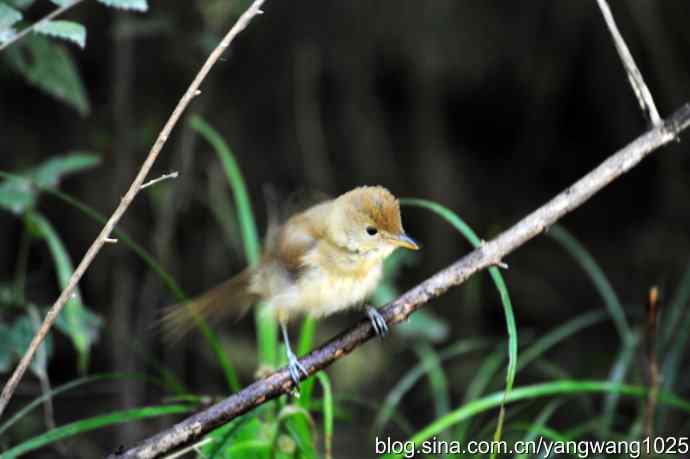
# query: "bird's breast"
323, 292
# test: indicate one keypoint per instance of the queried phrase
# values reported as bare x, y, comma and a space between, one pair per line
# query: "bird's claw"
295, 368
377, 321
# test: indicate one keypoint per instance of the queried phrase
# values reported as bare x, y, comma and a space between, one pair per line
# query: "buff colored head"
368, 219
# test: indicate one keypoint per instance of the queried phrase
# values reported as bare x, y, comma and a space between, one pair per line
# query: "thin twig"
53, 312
33, 26
644, 97
488, 254
172, 175
652, 315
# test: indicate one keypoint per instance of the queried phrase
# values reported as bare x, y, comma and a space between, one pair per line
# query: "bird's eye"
371, 231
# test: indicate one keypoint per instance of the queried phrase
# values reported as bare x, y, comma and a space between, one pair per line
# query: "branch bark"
135, 187
489, 254
644, 97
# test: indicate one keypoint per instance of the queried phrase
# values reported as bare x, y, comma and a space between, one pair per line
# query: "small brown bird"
320, 261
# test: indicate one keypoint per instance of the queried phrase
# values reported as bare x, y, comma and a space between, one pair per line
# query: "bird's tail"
231, 298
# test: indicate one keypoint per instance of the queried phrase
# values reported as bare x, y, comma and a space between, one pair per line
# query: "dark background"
487, 107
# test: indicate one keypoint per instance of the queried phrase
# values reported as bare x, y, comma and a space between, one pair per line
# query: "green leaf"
85, 425
133, 5
87, 321
81, 325
50, 172
222, 438
20, 336
8, 18
67, 30
21, 4
301, 428
19, 195
246, 437
49, 67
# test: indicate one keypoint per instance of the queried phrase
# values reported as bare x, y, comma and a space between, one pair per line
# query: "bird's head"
367, 219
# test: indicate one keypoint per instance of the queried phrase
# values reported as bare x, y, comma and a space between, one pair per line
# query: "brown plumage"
322, 260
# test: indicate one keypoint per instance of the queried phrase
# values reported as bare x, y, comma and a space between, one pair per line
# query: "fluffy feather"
324, 259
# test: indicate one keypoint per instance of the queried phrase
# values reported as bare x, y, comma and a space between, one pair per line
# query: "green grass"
257, 434
88, 424
547, 389
388, 408
627, 337
500, 284
152, 263
267, 327
35, 403
596, 274
327, 408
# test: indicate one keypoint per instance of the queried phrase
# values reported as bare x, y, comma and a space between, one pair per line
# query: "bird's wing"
299, 235
281, 208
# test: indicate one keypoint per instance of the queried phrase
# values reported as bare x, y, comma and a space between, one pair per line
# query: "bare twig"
53, 312
48, 17
488, 254
652, 314
172, 175
644, 97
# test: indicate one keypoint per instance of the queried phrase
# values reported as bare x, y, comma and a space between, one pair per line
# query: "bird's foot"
377, 321
295, 368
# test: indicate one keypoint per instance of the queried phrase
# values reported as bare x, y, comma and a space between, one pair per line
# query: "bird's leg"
377, 321
294, 367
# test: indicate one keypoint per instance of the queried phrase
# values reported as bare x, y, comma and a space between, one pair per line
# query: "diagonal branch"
127, 199
489, 254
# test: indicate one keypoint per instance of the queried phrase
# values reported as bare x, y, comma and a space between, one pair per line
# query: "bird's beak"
403, 240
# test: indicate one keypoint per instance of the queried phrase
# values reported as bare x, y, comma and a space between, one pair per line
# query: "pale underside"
305, 273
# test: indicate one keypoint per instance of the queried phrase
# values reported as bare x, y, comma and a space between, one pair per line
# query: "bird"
319, 261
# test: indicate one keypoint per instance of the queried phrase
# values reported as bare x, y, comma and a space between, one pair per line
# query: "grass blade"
479, 383
674, 312
327, 413
547, 389
557, 335
57, 391
596, 274
496, 276
97, 422
437, 378
615, 309
306, 338
267, 327
534, 428
414, 374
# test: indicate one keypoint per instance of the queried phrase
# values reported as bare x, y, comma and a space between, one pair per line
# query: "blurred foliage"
47, 65
19, 194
